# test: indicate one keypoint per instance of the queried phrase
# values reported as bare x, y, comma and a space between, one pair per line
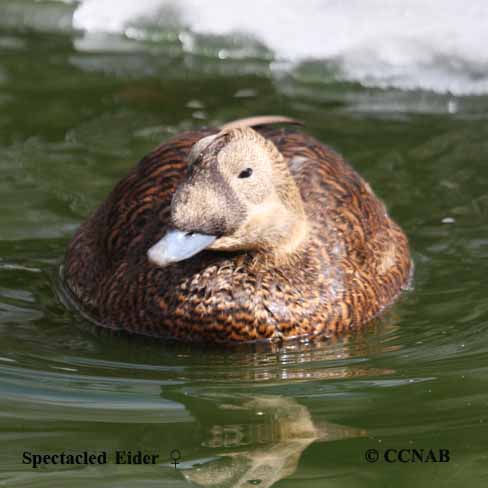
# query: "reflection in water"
77, 111
263, 362
269, 449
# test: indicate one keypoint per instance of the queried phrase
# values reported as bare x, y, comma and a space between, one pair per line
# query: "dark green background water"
73, 121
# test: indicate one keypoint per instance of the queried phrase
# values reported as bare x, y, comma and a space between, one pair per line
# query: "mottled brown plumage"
354, 262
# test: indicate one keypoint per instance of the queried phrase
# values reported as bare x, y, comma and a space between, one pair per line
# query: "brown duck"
243, 233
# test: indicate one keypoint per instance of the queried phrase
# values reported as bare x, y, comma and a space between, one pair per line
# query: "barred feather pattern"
354, 264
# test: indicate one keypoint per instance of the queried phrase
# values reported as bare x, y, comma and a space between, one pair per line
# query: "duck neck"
293, 226
294, 236
285, 237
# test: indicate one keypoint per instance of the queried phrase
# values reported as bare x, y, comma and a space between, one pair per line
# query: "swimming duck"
248, 232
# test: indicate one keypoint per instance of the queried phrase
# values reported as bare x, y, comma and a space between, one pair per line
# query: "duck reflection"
231, 434
265, 450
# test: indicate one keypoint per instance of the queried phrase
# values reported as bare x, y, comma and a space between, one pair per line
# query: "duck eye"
246, 173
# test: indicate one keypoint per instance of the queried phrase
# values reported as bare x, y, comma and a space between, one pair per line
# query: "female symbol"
175, 456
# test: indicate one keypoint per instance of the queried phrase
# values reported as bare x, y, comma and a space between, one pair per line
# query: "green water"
73, 121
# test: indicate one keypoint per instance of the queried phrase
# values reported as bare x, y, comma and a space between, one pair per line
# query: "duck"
253, 231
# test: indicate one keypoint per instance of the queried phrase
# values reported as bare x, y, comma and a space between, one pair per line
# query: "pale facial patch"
241, 192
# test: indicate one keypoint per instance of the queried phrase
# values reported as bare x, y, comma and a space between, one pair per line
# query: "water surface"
76, 112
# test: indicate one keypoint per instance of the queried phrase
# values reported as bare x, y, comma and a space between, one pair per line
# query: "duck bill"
177, 245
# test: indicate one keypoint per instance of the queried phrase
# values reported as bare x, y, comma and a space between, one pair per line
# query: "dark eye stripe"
246, 173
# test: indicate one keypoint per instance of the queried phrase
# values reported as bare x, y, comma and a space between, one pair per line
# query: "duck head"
239, 195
